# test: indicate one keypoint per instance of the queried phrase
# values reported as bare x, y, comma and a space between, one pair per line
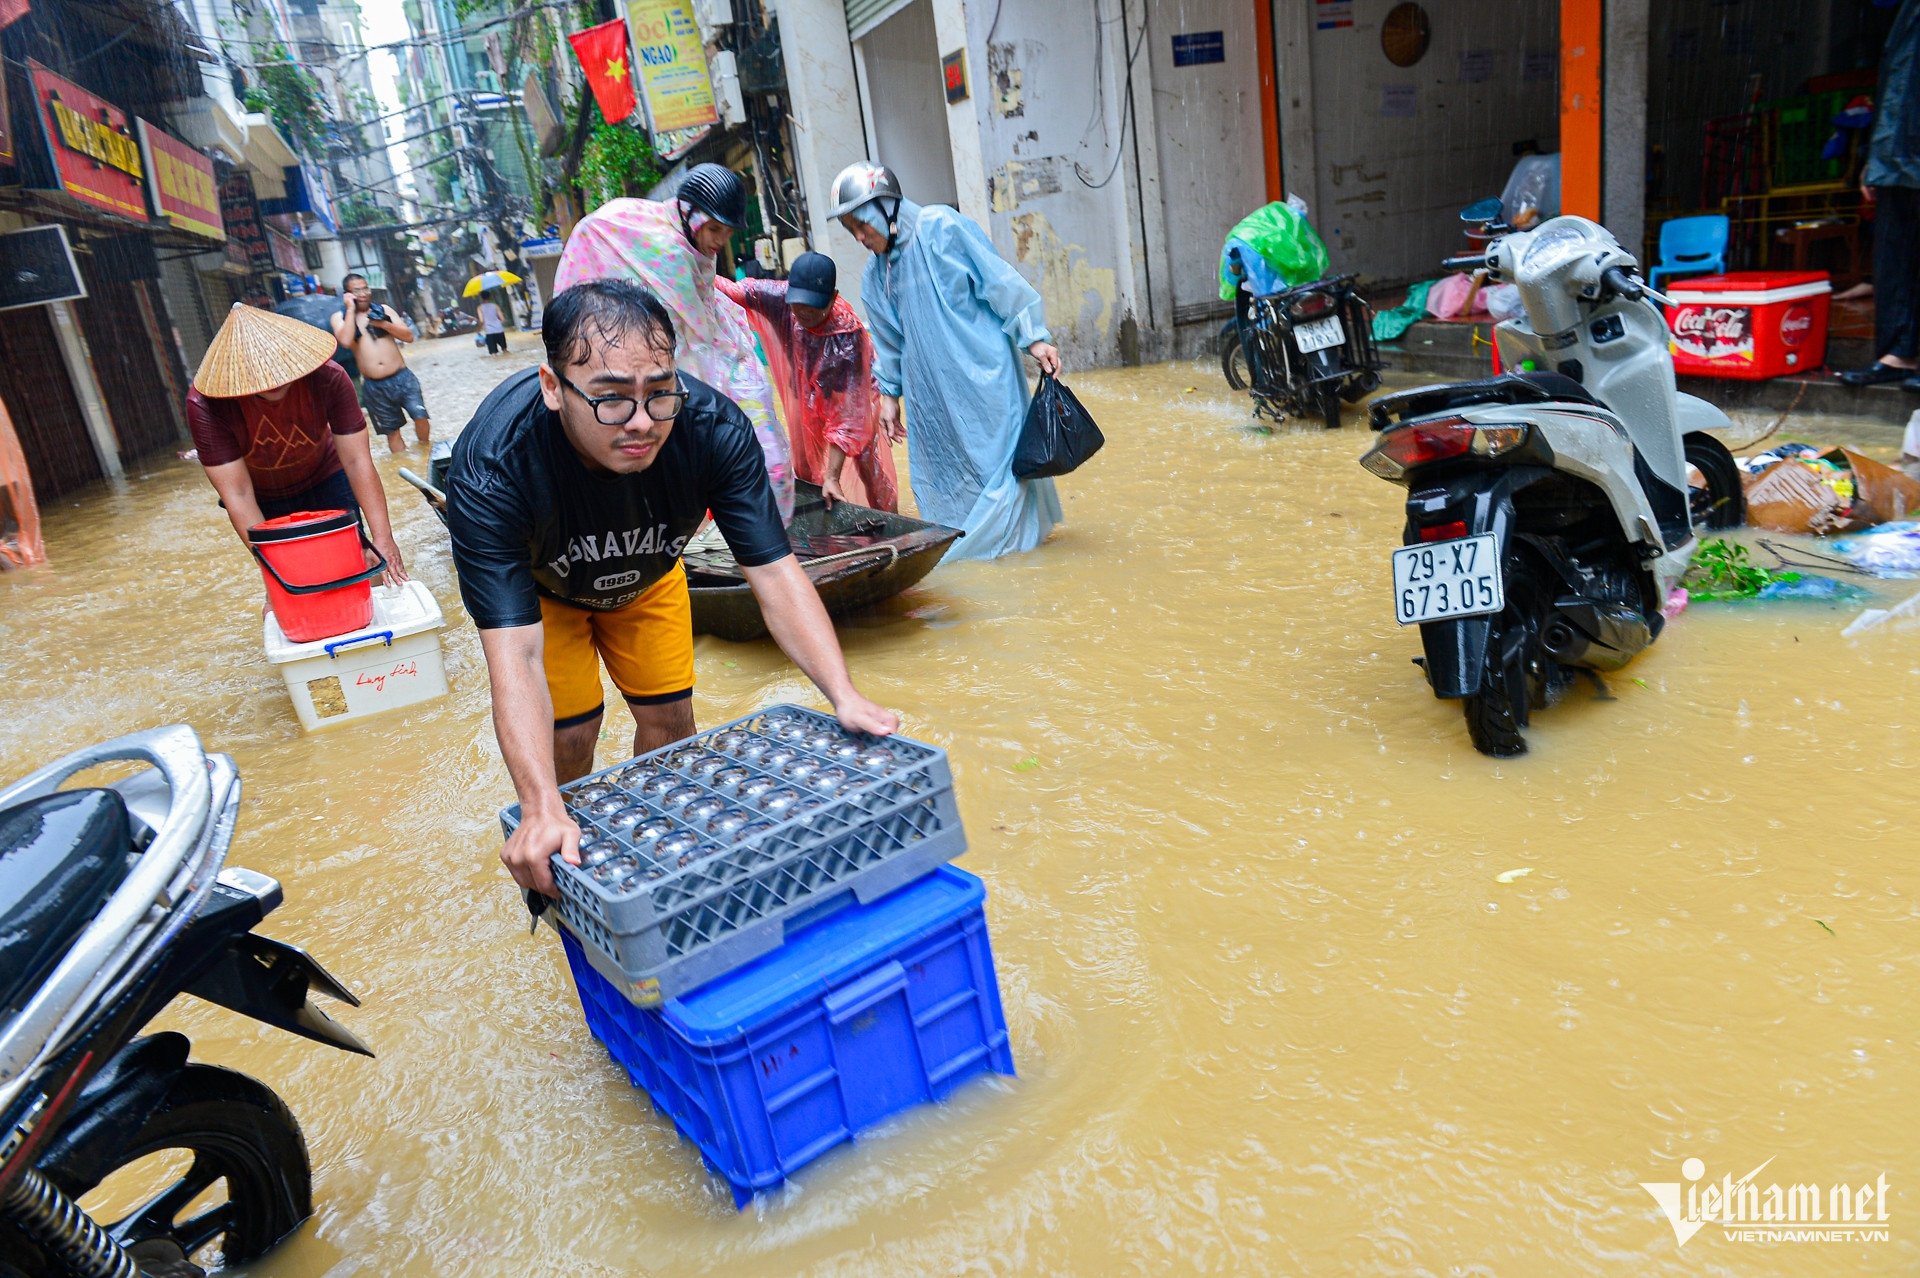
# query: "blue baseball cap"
812, 281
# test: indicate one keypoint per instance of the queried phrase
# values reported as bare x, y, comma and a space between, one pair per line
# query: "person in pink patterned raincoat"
670, 248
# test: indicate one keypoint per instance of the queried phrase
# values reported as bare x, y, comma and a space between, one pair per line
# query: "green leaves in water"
1721, 569
1027, 764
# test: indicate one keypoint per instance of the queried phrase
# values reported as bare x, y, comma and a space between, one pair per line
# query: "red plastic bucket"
317, 579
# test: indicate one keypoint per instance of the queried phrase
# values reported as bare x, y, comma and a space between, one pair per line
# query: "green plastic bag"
1285, 239
1389, 325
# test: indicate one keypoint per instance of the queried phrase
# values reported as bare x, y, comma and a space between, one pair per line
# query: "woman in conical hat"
671, 248
279, 431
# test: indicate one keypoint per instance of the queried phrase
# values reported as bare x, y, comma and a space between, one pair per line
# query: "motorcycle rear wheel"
1330, 405
1233, 361
1518, 675
236, 1130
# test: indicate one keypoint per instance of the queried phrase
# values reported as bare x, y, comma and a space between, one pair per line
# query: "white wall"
1061, 167
1212, 161
906, 108
1398, 152
829, 131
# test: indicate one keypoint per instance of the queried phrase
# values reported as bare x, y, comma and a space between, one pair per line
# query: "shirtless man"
388, 388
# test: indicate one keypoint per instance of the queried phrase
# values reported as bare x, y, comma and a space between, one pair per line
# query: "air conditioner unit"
726, 88
37, 267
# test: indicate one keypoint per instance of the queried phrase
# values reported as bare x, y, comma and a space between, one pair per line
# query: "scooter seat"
1511, 388
61, 857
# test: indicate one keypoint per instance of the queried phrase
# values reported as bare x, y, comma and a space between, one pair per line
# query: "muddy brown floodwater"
1273, 1009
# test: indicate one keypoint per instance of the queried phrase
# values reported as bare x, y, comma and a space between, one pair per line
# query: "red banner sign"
240, 214
182, 185
96, 157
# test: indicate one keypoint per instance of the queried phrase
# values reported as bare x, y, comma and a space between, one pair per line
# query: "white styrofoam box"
393, 662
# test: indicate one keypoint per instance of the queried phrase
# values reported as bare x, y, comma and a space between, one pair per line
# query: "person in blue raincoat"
949, 318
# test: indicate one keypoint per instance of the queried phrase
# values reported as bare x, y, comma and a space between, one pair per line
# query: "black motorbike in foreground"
1301, 351
114, 900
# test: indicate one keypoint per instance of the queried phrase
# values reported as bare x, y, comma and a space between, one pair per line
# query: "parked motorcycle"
1302, 350
454, 321
114, 900
1550, 511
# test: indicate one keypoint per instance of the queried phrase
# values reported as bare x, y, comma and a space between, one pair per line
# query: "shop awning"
864, 15
306, 192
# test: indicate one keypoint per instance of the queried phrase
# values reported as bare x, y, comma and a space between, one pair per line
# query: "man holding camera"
388, 388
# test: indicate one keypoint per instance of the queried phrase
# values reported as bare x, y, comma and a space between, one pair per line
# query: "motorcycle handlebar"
1465, 261
1619, 281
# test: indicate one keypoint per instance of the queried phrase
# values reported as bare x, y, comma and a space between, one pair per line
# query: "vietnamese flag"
602, 51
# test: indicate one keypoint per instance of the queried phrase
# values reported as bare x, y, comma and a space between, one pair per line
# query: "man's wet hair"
346, 281
606, 312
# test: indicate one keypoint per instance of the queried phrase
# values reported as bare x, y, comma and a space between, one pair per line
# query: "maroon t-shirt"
288, 446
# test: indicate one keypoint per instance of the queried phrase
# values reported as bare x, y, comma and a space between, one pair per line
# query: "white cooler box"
393, 662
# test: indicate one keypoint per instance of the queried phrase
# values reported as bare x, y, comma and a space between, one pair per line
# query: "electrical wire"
353, 53
1127, 119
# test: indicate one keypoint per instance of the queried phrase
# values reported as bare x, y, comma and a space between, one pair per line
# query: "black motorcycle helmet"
717, 191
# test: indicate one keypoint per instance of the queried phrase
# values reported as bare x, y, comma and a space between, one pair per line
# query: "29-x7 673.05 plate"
1441, 580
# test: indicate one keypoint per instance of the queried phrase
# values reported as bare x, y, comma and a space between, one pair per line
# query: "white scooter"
1550, 511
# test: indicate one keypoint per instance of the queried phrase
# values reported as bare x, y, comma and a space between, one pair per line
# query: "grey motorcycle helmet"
867, 183
862, 183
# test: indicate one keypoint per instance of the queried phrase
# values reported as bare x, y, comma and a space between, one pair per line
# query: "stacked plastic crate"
765, 934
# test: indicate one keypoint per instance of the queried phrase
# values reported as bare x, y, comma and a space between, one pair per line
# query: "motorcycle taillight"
1310, 306
1419, 444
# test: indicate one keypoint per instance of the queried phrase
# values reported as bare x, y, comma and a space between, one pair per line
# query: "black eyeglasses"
618, 410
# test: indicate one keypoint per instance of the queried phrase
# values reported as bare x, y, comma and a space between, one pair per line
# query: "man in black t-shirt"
572, 493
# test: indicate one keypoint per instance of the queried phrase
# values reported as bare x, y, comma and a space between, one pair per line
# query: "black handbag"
1059, 434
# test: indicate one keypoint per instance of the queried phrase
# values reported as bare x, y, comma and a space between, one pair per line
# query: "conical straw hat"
257, 350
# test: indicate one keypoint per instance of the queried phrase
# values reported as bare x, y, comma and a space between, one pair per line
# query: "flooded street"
1273, 1008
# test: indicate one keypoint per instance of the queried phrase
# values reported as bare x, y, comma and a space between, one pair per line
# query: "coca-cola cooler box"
1749, 324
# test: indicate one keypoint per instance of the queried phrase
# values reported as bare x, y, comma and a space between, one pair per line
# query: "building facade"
148, 195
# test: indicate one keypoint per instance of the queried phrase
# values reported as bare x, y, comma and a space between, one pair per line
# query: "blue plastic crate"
665, 924
865, 1013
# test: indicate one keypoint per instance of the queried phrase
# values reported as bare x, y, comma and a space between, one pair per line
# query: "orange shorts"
647, 647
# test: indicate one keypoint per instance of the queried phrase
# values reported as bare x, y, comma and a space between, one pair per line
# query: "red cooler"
1749, 325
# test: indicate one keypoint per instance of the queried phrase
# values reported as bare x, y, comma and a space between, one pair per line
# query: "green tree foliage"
290, 96
359, 210
616, 161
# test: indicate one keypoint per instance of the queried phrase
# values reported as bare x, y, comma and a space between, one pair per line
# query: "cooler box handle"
385, 636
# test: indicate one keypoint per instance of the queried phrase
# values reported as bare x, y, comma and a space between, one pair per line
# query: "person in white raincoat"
670, 248
949, 318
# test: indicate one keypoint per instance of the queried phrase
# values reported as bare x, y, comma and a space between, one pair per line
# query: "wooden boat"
856, 556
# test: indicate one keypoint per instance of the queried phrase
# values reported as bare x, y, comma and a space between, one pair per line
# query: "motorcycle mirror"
1487, 210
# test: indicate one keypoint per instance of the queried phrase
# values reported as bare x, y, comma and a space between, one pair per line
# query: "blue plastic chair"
1692, 246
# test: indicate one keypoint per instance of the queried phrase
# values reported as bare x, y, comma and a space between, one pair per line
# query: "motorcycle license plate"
1318, 335
1441, 580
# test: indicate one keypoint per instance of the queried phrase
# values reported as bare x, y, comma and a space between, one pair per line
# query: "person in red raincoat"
822, 365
